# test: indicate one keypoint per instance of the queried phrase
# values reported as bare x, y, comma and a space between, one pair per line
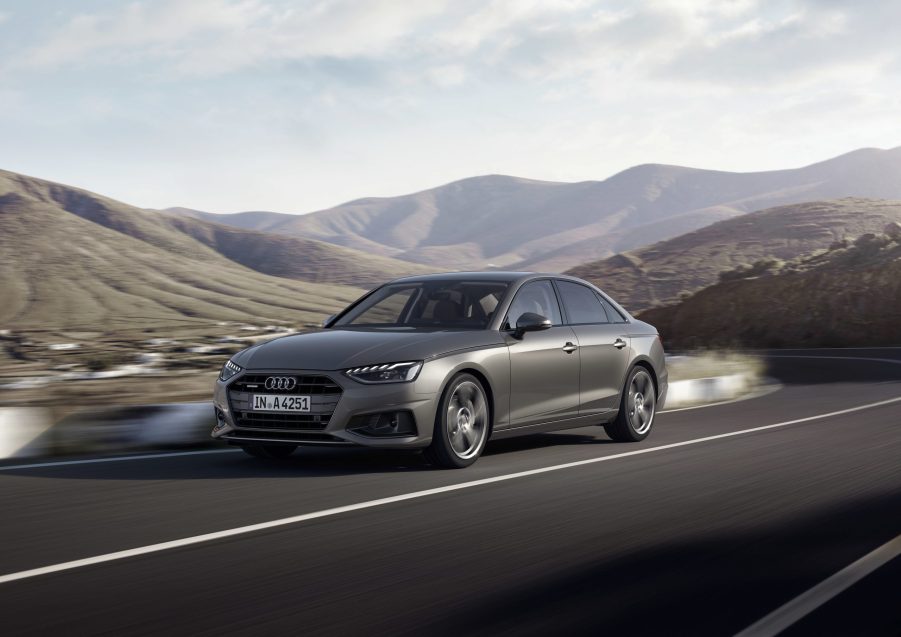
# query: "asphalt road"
698, 534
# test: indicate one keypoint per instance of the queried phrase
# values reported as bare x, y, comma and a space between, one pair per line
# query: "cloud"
796, 43
731, 42
357, 95
448, 75
500, 22
221, 36
152, 29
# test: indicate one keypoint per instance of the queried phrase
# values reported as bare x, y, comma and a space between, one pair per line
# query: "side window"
612, 313
582, 304
537, 297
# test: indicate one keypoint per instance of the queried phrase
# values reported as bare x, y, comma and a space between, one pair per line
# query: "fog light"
385, 425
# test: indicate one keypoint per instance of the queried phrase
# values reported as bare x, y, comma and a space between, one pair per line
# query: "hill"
847, 295
526, 224
75, 259
253, 220
660, 273
296, 258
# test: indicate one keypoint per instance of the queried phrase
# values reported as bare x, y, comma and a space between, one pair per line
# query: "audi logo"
281, 382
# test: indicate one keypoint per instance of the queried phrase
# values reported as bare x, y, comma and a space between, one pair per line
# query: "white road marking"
147, 456
804, 604
242, 530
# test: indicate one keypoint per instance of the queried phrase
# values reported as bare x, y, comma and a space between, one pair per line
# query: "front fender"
491, 365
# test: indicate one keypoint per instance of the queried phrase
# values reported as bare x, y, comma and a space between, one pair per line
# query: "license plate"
275, 402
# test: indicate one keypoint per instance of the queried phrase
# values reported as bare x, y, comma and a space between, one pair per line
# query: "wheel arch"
486, 385
646, 364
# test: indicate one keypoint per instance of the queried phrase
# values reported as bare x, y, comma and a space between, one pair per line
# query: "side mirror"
328, 319
531, 322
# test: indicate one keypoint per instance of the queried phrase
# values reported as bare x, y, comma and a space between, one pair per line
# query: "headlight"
229, 370
387, 373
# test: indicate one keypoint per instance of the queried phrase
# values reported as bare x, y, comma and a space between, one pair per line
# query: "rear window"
581, 303
612, 313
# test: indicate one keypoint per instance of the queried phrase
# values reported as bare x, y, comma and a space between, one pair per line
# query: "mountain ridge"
512, 222
291, 257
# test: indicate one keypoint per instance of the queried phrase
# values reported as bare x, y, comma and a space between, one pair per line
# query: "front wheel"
461, 424
637, 409
269, 452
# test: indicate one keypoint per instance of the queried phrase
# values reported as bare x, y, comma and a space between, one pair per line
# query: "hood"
337, 348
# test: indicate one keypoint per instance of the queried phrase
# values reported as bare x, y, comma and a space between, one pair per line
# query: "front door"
544, 366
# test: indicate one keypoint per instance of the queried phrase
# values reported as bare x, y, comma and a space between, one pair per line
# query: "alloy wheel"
642, 402
466, 421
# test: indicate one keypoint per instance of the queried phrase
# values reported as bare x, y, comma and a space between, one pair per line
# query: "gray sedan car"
443, 363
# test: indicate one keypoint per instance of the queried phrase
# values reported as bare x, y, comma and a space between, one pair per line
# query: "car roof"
486, 275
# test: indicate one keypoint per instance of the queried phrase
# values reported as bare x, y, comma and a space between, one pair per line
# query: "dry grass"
73, 260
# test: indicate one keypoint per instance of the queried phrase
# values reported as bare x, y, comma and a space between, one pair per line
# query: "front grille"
324, 394
306, 385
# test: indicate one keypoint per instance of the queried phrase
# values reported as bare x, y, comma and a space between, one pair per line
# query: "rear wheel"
637, 408
269, 452
461, 425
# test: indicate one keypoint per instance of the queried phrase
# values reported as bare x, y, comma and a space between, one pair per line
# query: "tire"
269, 452
462, 424
633, 423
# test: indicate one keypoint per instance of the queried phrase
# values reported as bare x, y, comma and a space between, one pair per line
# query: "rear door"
604, 346
544, 365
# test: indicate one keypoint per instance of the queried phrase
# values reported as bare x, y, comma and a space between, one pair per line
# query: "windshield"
457, 304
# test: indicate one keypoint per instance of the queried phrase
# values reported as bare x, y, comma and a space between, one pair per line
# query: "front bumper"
329, 417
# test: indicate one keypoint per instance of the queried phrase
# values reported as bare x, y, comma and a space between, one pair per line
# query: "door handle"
569, 348
619, 343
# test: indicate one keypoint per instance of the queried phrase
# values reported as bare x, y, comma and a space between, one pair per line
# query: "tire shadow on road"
542, 441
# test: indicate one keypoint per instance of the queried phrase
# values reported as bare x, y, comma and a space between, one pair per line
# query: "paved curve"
702, 538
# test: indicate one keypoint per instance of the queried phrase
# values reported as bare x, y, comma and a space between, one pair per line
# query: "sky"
294, 106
